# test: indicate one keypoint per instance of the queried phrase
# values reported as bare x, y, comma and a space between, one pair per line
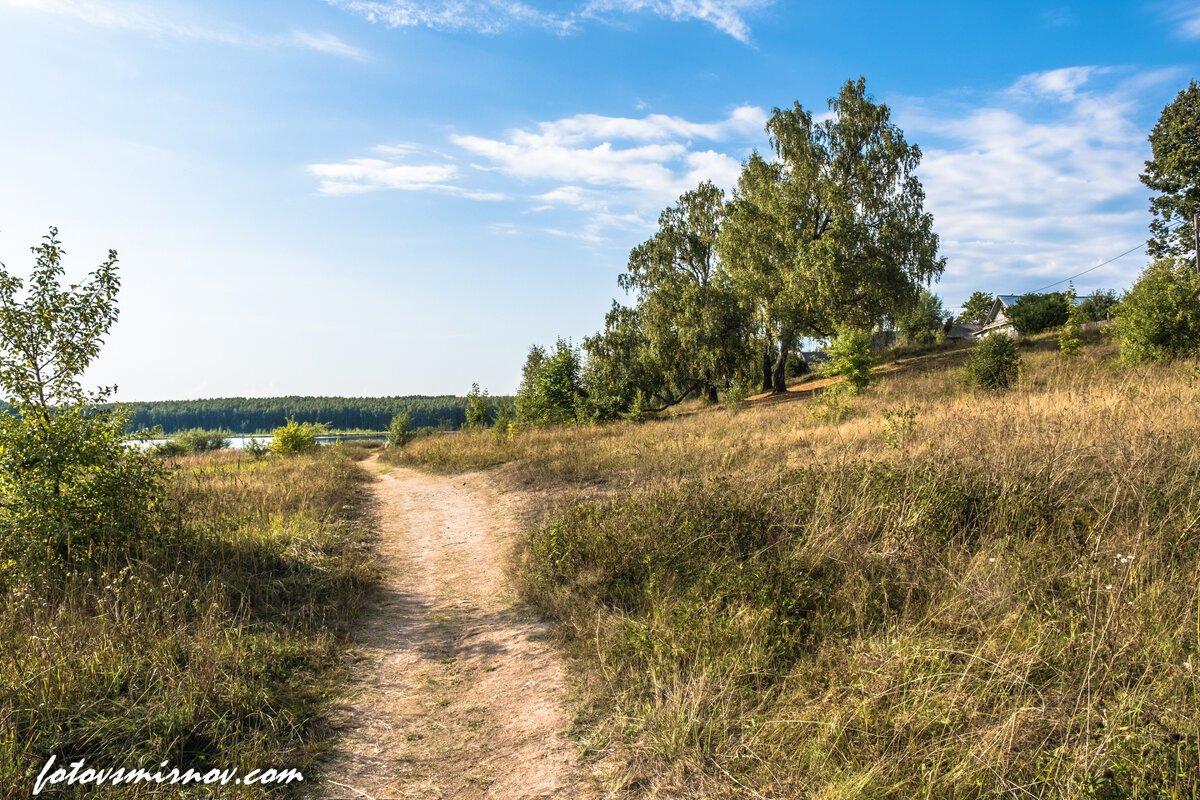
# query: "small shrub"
832, 405
198, 440
296, 437
398, 433
739, 389
898, 423
505, 420
168, 448
850, 356
994, 364
1068, 336
1159, 318
256, 448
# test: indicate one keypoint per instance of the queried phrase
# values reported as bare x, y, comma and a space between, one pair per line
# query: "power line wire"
1101, 264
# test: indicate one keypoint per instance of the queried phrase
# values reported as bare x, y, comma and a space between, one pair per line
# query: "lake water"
238, 442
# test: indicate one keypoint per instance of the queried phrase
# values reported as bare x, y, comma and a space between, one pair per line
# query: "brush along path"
458, 695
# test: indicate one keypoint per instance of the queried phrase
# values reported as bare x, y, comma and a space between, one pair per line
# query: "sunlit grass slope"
922, 592
214, 646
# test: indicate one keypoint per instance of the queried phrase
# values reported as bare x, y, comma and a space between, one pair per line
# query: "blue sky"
395, 197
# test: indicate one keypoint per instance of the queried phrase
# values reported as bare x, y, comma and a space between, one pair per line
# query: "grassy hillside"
922, 591
213, 645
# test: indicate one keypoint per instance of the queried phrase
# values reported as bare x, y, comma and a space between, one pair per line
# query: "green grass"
218, 645
943, 593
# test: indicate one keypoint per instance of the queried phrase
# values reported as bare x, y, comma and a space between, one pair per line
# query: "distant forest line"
263, 414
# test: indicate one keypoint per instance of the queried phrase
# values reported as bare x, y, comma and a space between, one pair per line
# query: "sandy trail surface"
457, 693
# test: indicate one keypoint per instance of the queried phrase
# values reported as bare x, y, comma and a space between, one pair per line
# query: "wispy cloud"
498, 16
725, 15
328, 43
617, 172
1185, 19
391, 171
482, 16
1038, 181
154, 22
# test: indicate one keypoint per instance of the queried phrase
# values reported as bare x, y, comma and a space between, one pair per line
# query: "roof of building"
966, 330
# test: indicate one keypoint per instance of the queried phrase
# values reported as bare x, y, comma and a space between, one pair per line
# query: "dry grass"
216, 645
939, 594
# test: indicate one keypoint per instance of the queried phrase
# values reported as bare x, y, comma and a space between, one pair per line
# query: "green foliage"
399, 433
198, 440
296, 437
832, 404
477, 407
796, 365
850, 356
976, 309
72, 490
692, 327
218, 641
1174, 173
1035, 313
169, 448
551, 391
256, 448
898, 424
1159, 317
922, 323
1068, 335
1098, 306
505, 423
834, 232
994, 363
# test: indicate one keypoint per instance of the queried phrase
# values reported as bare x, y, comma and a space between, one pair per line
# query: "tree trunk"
780, 376
1196, 234
710, 394
768, 359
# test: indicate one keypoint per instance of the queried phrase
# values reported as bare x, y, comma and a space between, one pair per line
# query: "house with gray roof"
996, 320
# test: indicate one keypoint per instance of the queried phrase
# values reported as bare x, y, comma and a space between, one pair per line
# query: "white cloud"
153, 22
498, 16
615, 171
1059, 84
1038, 182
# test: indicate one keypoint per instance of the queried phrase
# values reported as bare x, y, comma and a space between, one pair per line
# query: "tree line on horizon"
261, 414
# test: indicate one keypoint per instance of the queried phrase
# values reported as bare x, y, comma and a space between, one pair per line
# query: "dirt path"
459, 696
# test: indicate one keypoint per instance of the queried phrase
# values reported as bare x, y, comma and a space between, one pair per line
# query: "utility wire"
1103, 263
1086, 271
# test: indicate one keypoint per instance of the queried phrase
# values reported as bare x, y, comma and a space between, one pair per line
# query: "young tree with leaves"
71, 486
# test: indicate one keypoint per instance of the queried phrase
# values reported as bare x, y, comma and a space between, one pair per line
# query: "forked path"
457, 694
